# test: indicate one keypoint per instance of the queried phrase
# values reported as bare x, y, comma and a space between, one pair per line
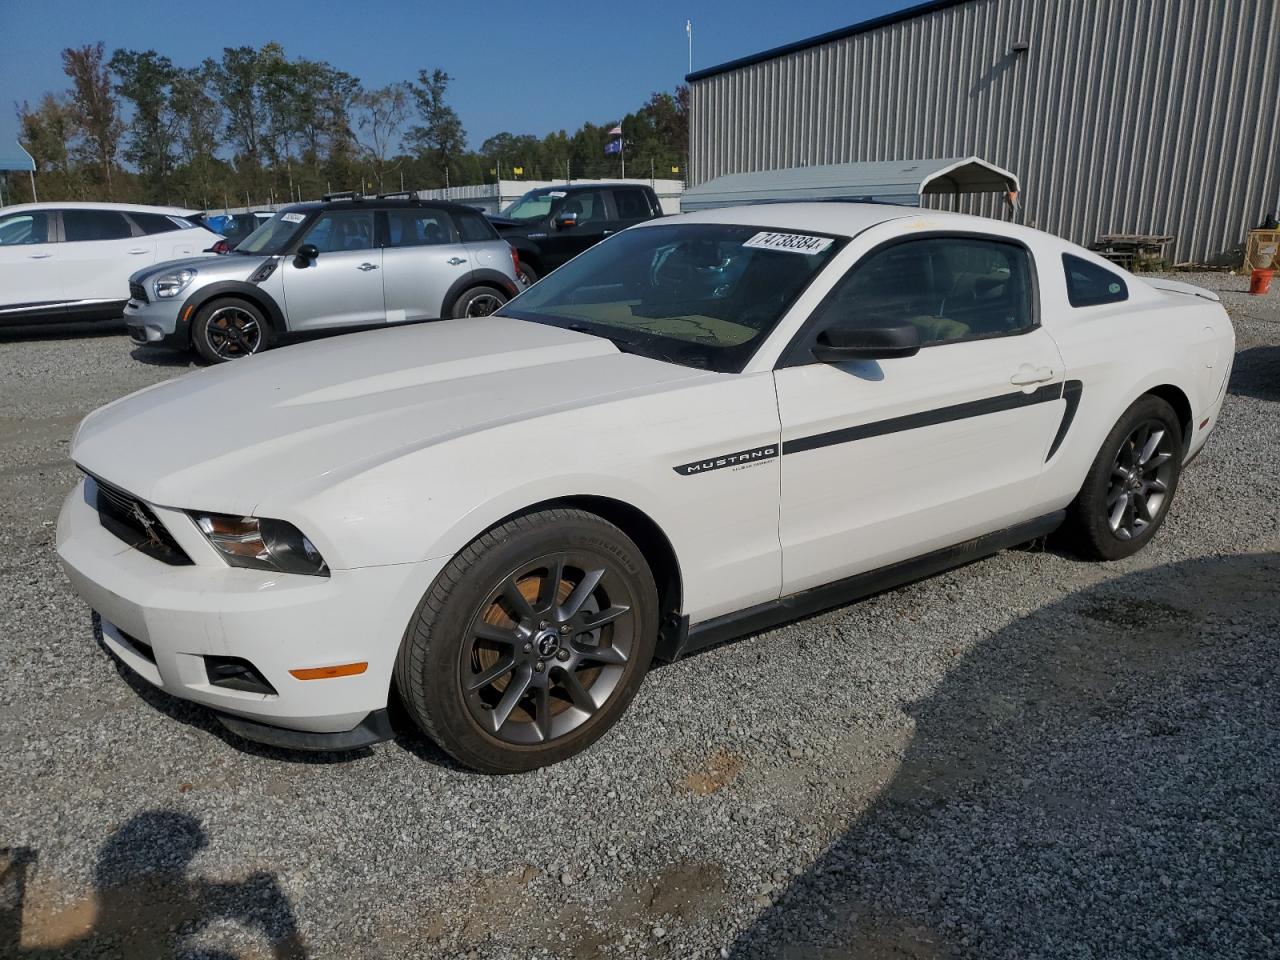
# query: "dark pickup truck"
552, 225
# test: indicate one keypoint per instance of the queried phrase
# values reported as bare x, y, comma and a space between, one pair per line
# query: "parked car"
699, 428
63, 262
341, 263
232, 227
552, 225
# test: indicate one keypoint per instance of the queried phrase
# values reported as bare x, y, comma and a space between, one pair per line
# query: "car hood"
226, 438
225, 266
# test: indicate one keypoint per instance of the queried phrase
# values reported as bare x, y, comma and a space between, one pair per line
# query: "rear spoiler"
1187, 289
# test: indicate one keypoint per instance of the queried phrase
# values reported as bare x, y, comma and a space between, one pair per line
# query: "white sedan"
699, 428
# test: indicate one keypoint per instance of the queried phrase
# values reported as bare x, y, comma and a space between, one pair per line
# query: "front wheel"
531, 642
1129, 488
479, 302
229, 329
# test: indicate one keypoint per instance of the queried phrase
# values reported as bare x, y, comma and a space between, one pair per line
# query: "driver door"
594, 224
886, 460
342, 286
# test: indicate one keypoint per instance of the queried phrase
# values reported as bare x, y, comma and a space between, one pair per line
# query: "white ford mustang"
698, 428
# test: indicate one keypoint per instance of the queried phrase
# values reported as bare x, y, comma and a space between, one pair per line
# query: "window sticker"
790, 242
293, 217
557, 194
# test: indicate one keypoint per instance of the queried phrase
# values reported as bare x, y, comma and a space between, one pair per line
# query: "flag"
675, 169
616, 131
518, 171
613, 146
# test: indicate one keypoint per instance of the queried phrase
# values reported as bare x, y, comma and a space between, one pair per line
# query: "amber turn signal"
324, 673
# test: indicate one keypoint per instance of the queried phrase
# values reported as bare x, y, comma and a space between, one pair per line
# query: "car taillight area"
128, 518
515, 259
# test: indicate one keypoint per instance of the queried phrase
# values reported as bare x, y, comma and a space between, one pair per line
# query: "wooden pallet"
1262, 250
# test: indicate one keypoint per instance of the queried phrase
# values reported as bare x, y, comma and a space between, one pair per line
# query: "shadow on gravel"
1256, 373
63, 331
1099, 779
144, 903
155, 357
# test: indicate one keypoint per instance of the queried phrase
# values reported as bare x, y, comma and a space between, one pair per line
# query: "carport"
881, 181
18, 161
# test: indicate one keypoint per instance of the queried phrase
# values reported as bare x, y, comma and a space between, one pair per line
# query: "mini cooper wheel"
531, 642
479, 302
526, 274
1130, 486
228, 330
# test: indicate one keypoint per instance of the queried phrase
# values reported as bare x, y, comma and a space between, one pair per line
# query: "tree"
439, 138
381, 114
94, 108
46, 132
144, 80
198, 122
237, 79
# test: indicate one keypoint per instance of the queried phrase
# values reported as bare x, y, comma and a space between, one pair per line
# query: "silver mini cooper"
338, 264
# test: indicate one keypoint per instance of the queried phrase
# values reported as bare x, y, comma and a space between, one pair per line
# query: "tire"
527, 275
1118, 510
478, 637
246, 330
478, 302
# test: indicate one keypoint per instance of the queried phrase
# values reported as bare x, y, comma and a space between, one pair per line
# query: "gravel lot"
1028, 757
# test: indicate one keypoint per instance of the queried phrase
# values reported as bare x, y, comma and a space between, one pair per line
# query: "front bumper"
158, 323
163, 621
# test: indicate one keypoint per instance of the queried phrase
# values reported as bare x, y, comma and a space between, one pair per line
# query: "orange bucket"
1260, 281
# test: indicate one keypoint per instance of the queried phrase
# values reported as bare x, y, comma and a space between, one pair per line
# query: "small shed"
883, 181
17, 161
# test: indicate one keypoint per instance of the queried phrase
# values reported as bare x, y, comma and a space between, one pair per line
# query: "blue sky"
525, 67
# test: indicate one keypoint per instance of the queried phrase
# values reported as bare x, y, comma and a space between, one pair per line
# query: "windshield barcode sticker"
292, 217
791, 242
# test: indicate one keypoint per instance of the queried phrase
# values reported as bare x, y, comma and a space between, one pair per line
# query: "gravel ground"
1027, 757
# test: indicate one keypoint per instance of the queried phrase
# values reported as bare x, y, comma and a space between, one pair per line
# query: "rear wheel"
531, 642
1130, 486
229, 329
479, 302
526, 274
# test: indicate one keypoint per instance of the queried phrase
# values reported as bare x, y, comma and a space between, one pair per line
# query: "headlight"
262, 544
171, 284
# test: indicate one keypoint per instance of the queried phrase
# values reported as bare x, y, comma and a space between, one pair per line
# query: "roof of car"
380, 203
840, 218
82, 205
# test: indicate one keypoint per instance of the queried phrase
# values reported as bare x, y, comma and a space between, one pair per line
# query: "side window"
473, 227
23, 228
587, 204
949, 288
631, 204
338, 230
1089, 285
417, 228
154, 222
94, 225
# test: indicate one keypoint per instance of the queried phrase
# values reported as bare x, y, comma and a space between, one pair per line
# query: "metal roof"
16, 159
893, 181
861, 27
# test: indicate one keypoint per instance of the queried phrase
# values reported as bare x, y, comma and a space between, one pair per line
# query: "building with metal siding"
1118, 116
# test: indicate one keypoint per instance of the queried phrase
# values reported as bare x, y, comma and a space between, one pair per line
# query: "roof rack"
406, 194
343, 195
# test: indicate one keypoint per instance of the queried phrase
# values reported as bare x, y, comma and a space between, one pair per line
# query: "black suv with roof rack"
550, 226
348, 261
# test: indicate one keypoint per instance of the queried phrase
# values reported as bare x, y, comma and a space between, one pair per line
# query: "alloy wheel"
483, 305
1140, 480
547, 648
233, 332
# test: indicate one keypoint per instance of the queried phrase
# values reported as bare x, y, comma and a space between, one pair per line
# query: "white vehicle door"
422, 259
886, 460
29, 275
342, 285
98, 253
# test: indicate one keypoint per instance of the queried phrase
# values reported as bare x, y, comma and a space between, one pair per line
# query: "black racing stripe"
927, 418
1071, 391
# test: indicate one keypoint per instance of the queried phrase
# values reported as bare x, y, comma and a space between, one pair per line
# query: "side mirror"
565, 221
308, 251
883, 342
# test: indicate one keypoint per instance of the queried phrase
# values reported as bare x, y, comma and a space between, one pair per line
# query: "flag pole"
688, 29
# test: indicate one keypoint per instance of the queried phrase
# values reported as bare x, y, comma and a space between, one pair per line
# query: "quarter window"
23, 228
631, 204
474, 228
949, 288
156, 222
94, 225
1089, 285
417, 228
335, 232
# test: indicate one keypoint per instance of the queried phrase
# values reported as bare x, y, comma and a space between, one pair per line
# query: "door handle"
607, 232
454, 261
1028, 375
139, 250
40, 256
366, 267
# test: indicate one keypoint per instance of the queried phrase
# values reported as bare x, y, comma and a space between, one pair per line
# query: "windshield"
273, 236
533, 205
698, 294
